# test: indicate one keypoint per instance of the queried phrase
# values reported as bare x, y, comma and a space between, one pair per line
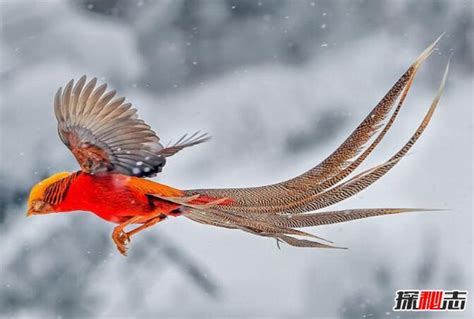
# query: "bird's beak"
29, 212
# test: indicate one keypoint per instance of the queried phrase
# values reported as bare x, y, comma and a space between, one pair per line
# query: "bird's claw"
121, 239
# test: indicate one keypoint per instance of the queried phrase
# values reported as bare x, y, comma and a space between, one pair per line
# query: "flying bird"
117, 151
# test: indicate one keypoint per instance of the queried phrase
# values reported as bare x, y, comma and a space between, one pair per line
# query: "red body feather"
116, 197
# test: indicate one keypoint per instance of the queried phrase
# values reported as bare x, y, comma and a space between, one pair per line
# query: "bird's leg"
120, 237
147, 224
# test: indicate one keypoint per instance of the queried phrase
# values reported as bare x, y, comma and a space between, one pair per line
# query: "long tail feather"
208, 219
334, 168
276, 210
362, 181
216, 216
332, 217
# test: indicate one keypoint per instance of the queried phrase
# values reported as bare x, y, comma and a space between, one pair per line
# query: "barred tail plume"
277, 210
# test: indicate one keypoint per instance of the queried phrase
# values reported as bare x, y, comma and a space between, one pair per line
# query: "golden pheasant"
117, 151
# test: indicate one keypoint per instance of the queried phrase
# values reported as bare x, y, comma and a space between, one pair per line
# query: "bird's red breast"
116, 197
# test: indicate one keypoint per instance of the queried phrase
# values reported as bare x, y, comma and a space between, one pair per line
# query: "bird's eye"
38, 205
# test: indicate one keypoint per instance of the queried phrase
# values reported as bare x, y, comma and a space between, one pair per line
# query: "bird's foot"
121, 239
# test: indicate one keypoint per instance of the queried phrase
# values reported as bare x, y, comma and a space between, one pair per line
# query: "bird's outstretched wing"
105, 134
275, 210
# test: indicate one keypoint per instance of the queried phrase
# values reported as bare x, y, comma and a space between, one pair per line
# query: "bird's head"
36, 201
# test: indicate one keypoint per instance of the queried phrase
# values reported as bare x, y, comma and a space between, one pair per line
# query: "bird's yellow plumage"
38, 190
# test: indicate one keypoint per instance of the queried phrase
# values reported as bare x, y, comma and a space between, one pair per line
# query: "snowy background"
279, 85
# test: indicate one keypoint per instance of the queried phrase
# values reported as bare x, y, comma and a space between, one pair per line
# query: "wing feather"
184, 142
93, 125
